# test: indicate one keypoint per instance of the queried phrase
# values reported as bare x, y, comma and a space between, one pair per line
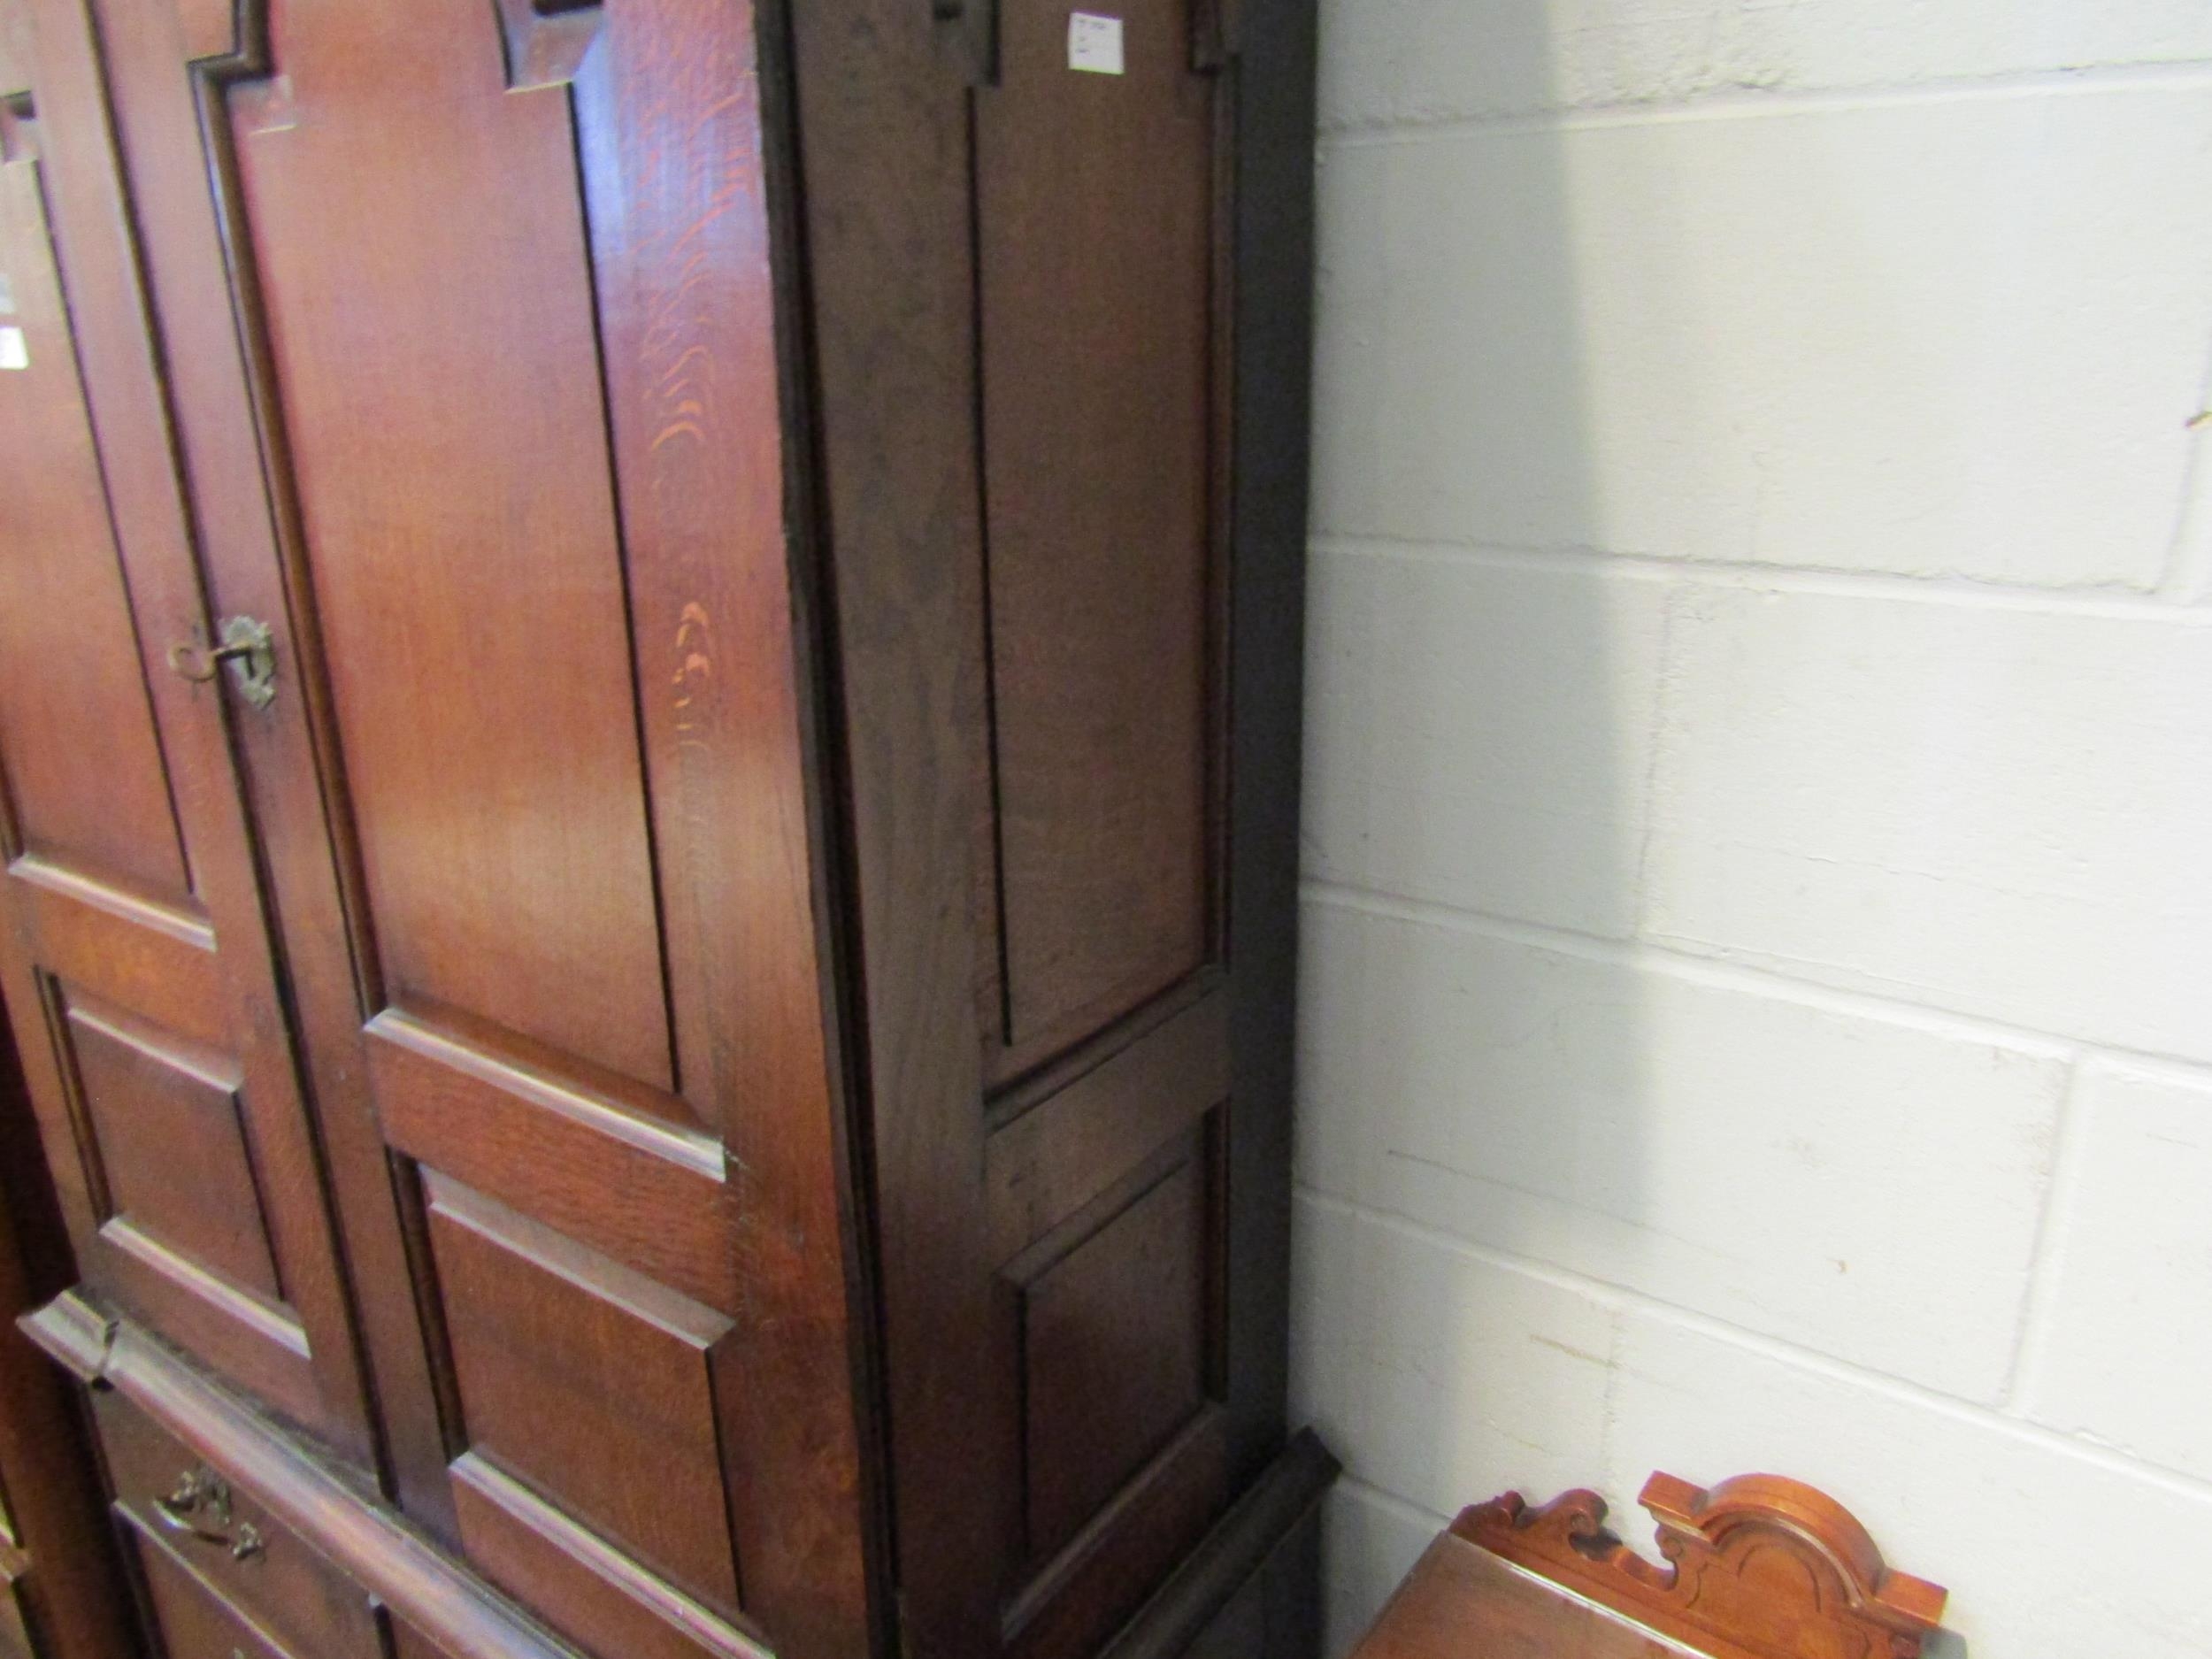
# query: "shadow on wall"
1473, 751
1481, 1054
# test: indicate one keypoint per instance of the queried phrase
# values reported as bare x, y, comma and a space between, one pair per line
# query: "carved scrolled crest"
1760, 1567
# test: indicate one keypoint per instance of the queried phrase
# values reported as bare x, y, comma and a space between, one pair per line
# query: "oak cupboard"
648, 689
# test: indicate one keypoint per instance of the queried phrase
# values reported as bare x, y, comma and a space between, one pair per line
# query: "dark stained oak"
582, 1378
1114, 1352
293, 1486
495, 438
730, 1016
1065, 638
192, 970
284, 1586
1094, 215
67, 653
61, 1589
458, 521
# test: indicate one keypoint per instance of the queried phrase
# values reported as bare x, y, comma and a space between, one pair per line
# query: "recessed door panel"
71, 683
591, 1383
442, 401
1034, 586
1094, 212
135, 954
172, 1142
497, 448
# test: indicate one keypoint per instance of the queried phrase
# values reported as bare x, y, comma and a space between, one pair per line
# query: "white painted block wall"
1757, 996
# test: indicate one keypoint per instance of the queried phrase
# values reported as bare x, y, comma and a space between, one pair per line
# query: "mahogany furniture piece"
62, 1595
1760, 1567
649, 693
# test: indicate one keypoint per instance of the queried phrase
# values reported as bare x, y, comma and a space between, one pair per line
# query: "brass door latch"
248, 649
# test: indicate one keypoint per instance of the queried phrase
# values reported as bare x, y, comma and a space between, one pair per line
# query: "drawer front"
196, 1622
190, 1522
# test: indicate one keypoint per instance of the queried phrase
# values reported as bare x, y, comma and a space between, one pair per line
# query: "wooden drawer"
196, 1622
214, 1557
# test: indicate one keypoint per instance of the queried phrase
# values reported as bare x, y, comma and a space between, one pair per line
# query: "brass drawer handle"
200, 1508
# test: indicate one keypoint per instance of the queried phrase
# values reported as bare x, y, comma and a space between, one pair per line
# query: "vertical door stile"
165, 1041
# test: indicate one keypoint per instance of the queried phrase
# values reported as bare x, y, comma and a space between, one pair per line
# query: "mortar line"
1899, 1389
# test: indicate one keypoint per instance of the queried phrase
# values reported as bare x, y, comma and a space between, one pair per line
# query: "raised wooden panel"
75, 726
1094, 213
449, 439
1113, 1340
156, 960
1092, 1131
192, 1043
496, 443
588, 1590
172, 1143
645, 1193
1061, 467
589, 1382
1110, 1568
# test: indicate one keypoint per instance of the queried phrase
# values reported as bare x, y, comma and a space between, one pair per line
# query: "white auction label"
1095, 44
13, 353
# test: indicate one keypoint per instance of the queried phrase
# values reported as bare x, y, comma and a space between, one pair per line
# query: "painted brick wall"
1757, 1007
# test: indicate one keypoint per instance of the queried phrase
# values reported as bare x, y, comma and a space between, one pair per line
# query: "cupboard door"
136, 957
1073, 814
498, 447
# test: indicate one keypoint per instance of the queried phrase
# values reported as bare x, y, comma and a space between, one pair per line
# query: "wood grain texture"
592, 1384
882, 141
538, 815
1032, 581
1093, 213
167, 62
316, 1377
597, 1595
1253, 1587
285, 1586
1051, 1161
1114, 1357
68, 658
464, 549
1107, 1572
1460, 1599
157, 961
156, 1109
457, 1612
1760, 1567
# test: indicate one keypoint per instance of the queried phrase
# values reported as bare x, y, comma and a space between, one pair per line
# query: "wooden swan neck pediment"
1760, 1567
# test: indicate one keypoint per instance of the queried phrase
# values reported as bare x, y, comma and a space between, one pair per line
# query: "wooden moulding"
461, 1617
1760, 1567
